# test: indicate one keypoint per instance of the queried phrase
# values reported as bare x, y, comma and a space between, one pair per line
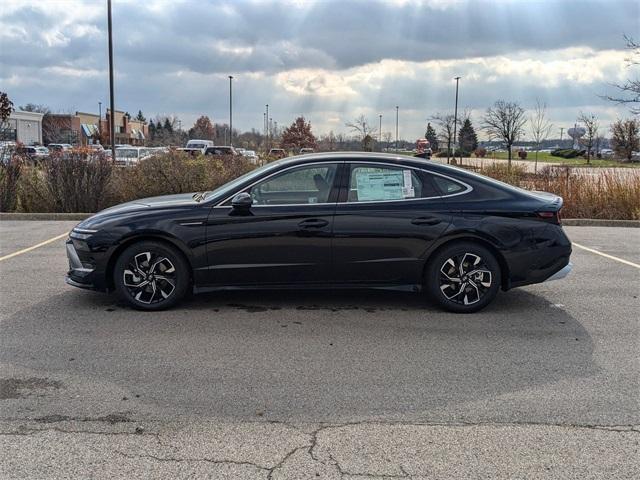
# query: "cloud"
329, 60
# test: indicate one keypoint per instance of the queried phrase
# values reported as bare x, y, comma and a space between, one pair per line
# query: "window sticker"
408, 191
379, 185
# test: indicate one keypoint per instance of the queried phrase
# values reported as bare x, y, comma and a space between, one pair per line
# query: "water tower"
576, 133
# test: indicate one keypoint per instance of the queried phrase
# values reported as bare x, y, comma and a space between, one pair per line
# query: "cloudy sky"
327, 60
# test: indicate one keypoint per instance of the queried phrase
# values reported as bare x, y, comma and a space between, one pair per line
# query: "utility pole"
397, 110
112, 123
230, 111
455, 120
561, 132
380, 132
267, 124
100, 120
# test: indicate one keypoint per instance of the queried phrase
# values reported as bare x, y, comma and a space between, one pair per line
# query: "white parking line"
606, 255
25, 250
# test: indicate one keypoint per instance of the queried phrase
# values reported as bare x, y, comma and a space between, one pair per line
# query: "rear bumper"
562, 273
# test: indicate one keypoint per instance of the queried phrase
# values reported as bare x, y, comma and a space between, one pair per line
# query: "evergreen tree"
152, 129
140, 116
467, 138
167, 125
432, 137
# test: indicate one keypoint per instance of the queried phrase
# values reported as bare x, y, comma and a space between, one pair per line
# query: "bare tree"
505, 121
591, 125
625, 137
445, 122
540, 127
363, 130
629, 90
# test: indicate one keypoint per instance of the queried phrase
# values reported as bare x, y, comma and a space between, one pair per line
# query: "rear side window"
448, 187
371, 183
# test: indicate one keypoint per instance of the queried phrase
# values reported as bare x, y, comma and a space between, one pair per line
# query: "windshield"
195, 145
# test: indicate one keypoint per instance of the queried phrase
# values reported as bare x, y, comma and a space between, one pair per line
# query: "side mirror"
242, 201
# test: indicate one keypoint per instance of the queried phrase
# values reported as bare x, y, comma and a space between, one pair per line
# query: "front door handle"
426, 221
313, 223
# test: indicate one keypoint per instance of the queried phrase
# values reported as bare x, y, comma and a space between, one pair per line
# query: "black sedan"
340, 220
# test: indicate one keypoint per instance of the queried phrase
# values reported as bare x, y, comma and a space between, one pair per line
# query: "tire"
467, 289
151, 275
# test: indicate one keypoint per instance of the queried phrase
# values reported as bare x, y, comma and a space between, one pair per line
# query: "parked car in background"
59, 147
33, 152
306, 150
128, 156
277, 153
97, 148
194, 152
201, 145
221, 150
251, 156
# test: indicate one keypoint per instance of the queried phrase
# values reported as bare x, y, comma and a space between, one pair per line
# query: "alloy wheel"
465, 278
150, 278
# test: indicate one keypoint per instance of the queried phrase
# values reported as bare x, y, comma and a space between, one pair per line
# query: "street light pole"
100, 121
112, 123
230, 111
267, 124
397, 112
380, 132
455, 120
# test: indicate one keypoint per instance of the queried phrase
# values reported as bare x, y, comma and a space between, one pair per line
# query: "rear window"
447, 186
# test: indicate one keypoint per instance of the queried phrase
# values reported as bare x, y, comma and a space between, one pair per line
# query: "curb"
597, 222
566, 222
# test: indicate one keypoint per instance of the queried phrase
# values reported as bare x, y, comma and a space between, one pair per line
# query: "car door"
283, 238
386, 220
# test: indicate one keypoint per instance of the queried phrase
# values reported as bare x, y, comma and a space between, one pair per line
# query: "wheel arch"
153, 237
462, 238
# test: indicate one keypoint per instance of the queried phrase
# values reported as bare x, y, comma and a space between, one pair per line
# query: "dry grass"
606, 194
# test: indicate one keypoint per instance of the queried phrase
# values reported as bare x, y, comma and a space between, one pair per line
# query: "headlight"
82, 233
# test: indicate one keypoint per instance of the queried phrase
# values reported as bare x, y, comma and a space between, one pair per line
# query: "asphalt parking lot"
544, 383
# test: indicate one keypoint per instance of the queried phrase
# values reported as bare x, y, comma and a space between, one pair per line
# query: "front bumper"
79, 274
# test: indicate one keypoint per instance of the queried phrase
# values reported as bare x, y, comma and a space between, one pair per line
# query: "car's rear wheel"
463, 277
151, 276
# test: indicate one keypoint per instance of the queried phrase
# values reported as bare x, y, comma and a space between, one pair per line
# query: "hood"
140, 205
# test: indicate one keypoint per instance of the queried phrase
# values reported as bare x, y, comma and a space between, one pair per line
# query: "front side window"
370, 183
304, 185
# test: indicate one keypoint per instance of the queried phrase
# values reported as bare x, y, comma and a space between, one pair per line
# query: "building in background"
88, 128
23, 127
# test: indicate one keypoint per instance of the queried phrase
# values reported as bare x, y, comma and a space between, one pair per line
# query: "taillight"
551, 216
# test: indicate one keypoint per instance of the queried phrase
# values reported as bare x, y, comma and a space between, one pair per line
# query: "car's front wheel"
463, 277
151, 276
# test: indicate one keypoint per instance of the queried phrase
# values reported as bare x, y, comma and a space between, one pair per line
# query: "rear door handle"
312, 223
426, 221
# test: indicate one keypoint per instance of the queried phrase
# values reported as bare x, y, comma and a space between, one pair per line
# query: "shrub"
480, 152
567, 153
66, 183
10, 170
176, 172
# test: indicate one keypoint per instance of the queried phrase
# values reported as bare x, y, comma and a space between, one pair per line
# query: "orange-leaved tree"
298, 135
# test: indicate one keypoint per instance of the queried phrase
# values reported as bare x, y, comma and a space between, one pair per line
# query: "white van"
199, 144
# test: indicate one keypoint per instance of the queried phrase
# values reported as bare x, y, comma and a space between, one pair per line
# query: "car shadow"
307, 355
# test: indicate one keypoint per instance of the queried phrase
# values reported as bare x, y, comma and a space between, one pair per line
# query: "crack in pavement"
312, 445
